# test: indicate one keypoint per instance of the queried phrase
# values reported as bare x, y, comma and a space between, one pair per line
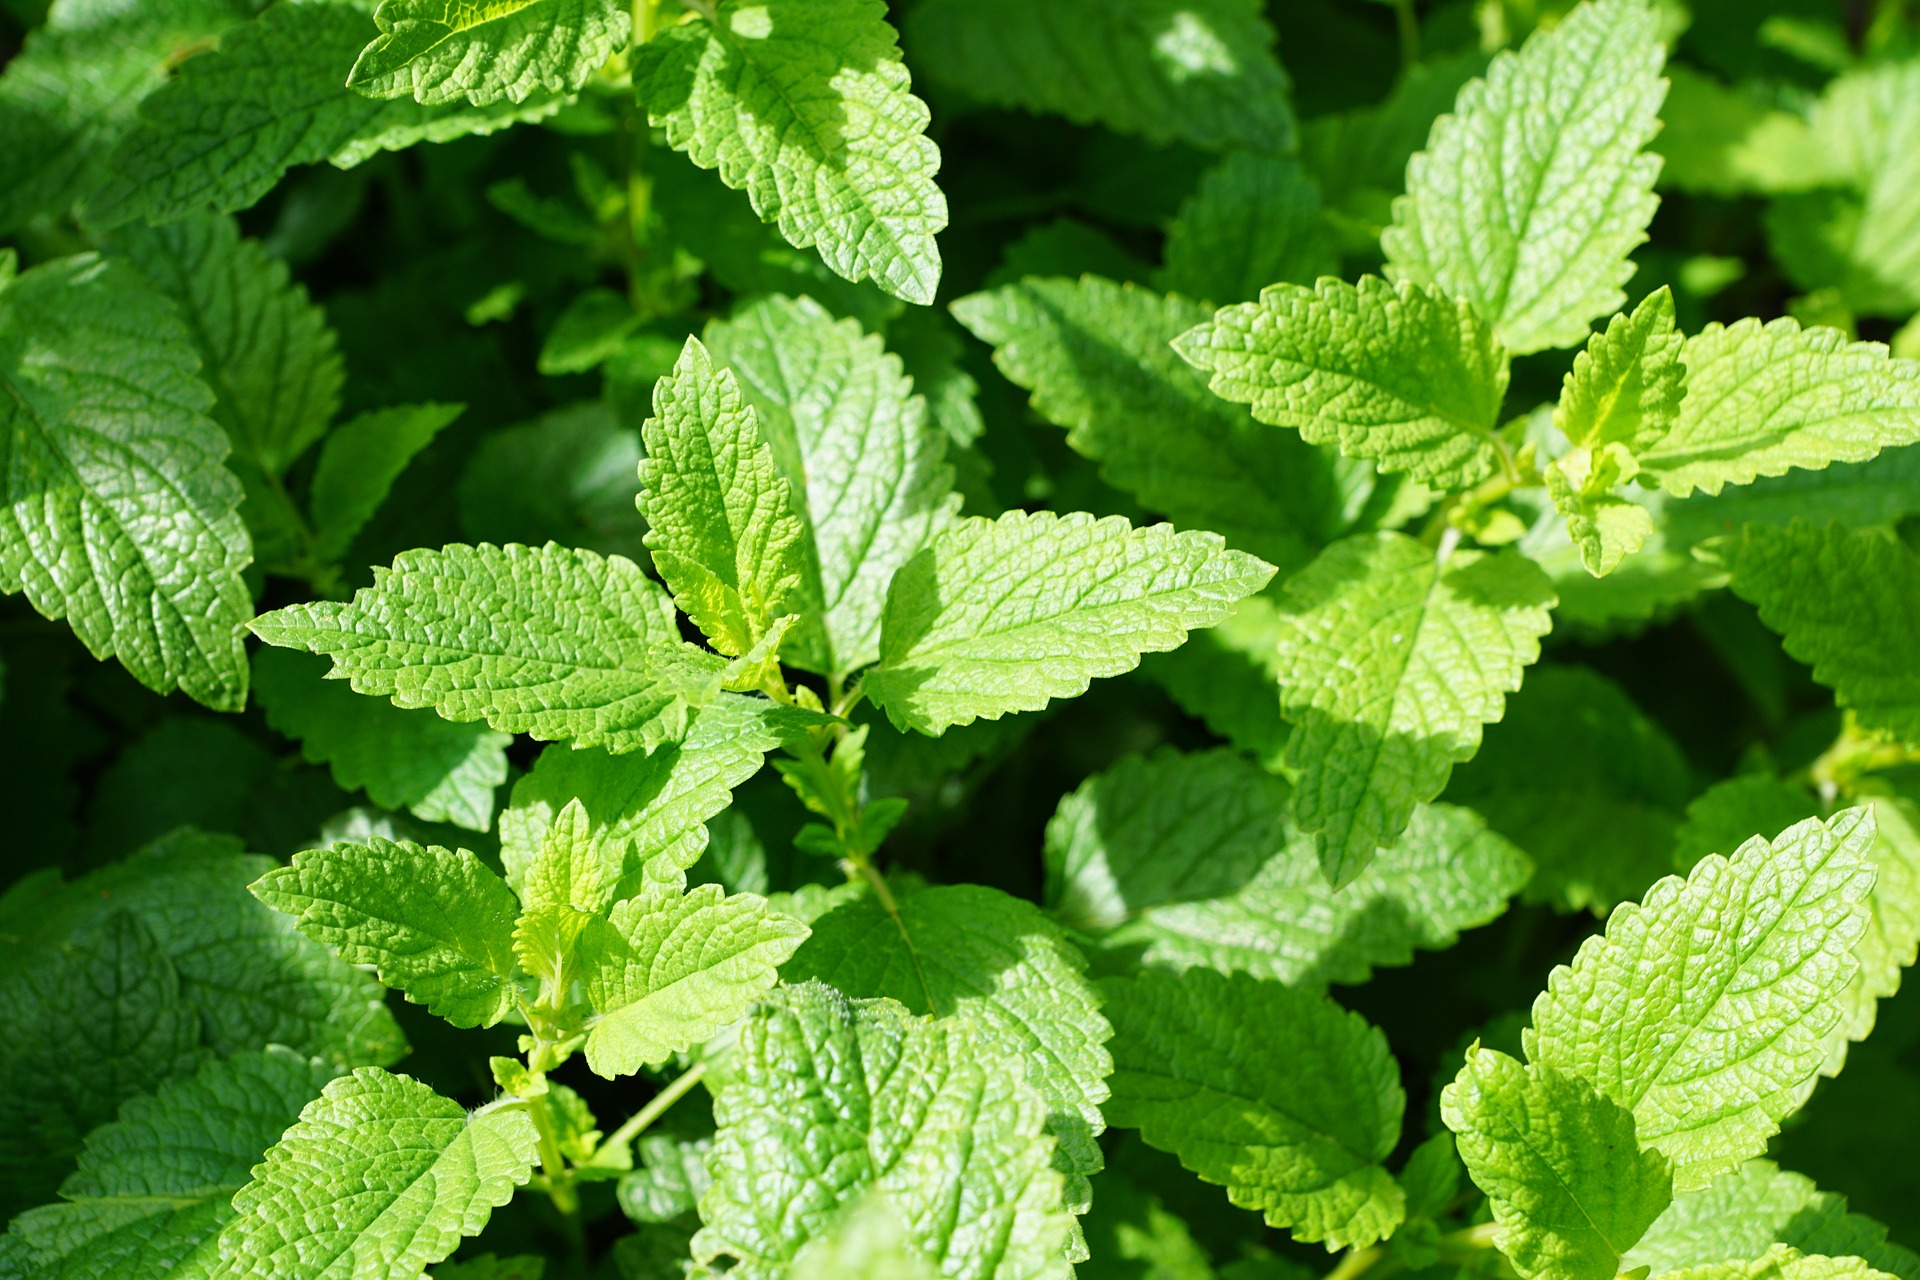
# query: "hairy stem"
638, 1122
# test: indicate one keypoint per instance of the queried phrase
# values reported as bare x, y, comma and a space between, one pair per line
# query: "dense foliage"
1331, 591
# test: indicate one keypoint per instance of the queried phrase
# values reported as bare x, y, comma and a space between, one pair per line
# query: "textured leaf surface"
1298, 1133
153, 1187
855, 445
1744, 1213
827, 1097
437, 52
648, 813
1782, 1263
1763, 398
973, 952
1391, 661
120, 517
1530, 196
806, 106
223, 130
1705, 1009
547, 641
1570, 1188
442, 771
1005, 615
1254, 221
1843, 601
1191, 859
1578, 775
720, 516
666, 970
380, 1179
1401, 375
1098, 360
436, 923
1195, 71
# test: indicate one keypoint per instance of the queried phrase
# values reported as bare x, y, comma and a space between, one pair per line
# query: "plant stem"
1409, 23
1356, 1262
637, 1122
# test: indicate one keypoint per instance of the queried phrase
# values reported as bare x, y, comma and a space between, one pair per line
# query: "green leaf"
153, 1187
1581, 778
264, 348
1728, 814
972, 952
866, 468
1096, 357
669, 1178
1191, 860
230, 123
1530, 196
1194, 71
1762, 398
380, 1179
1254, 221
99, 1020
1839, 600
1360, 157
1005, 615
665, 971
1744, 1213
565, 477
1705, 1009
1725, 140
1400, 375
1298, 1133
1783, 1263
72, 90
435, 923
1229, 676
828, 1097
647, 813
361, 460
438, 53
569, 870
720, 520
1570, 1188
120, 517
1892, 938
869, 1240
442, 771
1391, 661
548, 641
806, 106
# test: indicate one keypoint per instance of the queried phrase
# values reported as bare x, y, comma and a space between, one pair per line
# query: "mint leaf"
556, 643
1299, 1134
1391, 661
1744, 1213
224, 130
1098, 360
442, 771
1839, 599
1228, 677
361, 460
1254, 221
866, 467
1005, 615
665, 971
830, 1097
1403, 376
565, 477
1191, 860
120, 517
870, 1240
972, 952
1570, 1188
435, 923
1705, 1009
437, 53
1530, 196
425, 1173
719, 515
1194, 71
806, 106
569, 870
1762, 398
647, 813
153, 1188
1782, 1263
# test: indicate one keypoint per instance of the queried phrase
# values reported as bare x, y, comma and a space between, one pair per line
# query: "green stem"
1409, 24
638, 1122
553, 1164
1356, 1262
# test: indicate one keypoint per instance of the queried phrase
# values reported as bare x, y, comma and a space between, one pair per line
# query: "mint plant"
633, 748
